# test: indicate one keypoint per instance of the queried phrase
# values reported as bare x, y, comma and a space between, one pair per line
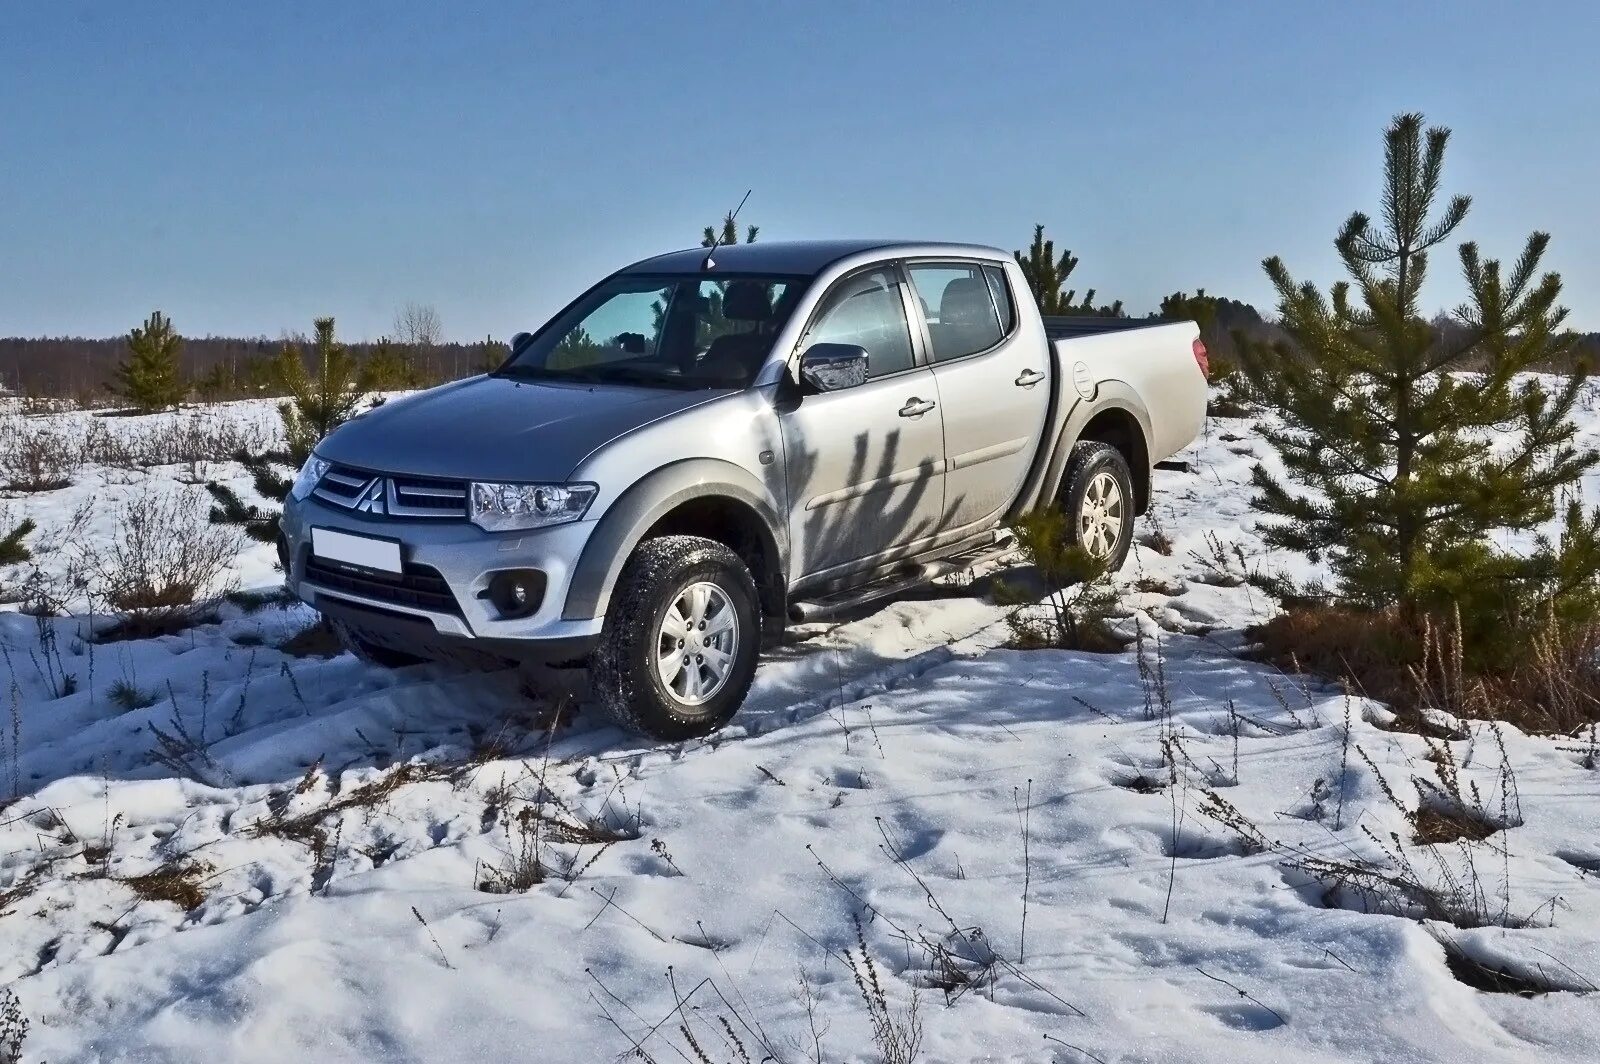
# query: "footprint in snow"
1244, 1016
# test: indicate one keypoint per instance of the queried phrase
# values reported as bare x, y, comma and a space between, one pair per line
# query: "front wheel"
681, 638
1099, 501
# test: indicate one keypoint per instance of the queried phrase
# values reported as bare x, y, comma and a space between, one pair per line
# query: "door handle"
1028, 378
916, 407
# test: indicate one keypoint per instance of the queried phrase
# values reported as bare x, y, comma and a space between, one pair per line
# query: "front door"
994, 386
865, 465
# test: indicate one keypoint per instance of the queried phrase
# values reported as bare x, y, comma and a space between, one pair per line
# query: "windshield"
669, 331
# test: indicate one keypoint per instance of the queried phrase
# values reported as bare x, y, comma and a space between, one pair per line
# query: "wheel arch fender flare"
638, 509
1113, 395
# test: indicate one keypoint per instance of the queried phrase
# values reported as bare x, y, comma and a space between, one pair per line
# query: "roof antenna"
716, 241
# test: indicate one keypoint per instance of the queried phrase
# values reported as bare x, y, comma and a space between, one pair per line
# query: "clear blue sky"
246, 166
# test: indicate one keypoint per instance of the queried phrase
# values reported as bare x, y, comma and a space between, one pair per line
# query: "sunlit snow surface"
906, 741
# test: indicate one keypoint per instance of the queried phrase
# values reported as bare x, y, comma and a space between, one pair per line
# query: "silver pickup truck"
709, 444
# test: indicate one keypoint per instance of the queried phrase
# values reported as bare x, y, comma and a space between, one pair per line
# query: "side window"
958, 307
1002, 297
866, 310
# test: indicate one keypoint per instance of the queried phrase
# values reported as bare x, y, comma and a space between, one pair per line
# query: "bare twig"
1244, 994
432, 936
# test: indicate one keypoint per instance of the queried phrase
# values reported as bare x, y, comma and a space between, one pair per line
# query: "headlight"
307, 479
502, 507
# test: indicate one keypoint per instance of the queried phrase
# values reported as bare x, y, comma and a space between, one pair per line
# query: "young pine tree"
729, 233
1047, 275
388, 368
318, 402
150, 379
1231, 396
493, 353
1198, 308
216, 384
1401, 469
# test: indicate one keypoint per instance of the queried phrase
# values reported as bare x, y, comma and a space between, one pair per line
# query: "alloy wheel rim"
697, 644
1100, 516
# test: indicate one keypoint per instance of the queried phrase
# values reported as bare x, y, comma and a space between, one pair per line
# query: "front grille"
420, 586
380, 495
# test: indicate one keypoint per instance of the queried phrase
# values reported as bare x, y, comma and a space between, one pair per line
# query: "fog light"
517, 592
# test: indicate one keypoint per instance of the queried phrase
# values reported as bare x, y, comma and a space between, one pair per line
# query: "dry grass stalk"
13, 1027
180, 882
1420, 663
521, 870
307, 827
896, 1033
164, 561
188, 439
21, 888
36, 458
1225, 813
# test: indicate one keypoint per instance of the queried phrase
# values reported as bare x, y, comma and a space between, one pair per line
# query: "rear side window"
866, 310
958, 306
1002, 297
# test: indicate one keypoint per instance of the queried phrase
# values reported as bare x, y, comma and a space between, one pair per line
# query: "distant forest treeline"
216, 367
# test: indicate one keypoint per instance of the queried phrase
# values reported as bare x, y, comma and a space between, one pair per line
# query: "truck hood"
496, 428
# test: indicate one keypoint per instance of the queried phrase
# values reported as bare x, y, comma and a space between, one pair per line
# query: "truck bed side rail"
1066, 326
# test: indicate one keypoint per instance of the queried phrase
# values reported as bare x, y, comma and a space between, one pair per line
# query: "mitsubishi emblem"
371, 499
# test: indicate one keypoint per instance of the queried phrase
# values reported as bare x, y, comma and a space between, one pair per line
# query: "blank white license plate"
356, 550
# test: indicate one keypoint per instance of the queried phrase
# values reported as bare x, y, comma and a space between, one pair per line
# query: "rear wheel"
681, 639
1099, 501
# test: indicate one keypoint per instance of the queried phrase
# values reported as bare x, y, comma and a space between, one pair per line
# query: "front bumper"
464, 557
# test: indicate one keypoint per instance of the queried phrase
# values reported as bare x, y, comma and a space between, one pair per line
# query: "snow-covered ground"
285, 856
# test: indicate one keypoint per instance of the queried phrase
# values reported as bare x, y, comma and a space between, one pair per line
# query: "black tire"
371, 653
624, 676
1087, 467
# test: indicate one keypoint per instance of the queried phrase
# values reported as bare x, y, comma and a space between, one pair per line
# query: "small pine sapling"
318, 402
151, 379
1082, 596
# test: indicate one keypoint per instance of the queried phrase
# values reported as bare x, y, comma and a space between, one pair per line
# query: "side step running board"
897, 583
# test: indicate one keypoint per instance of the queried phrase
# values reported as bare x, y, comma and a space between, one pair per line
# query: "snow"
884, 770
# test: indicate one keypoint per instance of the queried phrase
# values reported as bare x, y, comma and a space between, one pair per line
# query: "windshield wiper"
544, 373
603, 374
640, 375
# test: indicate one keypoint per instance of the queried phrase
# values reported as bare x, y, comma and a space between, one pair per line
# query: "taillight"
1201, 358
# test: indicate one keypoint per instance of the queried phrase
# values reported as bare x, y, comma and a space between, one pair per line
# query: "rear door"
994, 385
865, 465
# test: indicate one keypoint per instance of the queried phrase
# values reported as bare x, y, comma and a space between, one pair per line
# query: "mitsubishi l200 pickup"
706, 446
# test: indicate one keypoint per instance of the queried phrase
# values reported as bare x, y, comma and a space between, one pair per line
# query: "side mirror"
832, 367
520, 341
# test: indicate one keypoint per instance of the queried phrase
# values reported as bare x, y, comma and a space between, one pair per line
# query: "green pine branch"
259, 524
12, 549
